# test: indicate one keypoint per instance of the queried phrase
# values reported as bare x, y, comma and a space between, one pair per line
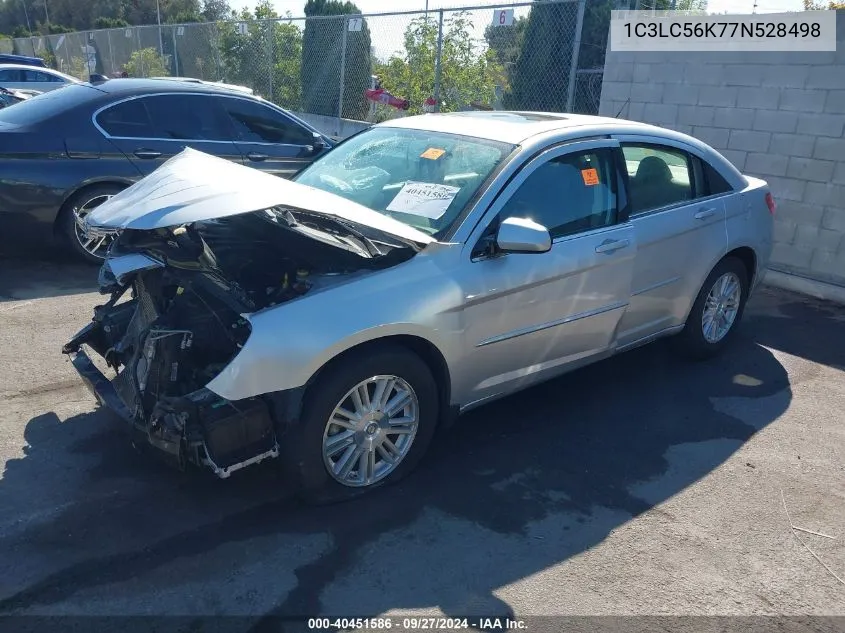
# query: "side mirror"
319, 144
521, 235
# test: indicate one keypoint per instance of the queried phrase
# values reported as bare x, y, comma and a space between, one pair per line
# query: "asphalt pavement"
643, 484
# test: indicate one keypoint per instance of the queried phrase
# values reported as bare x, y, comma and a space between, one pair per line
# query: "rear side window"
128, 119
714, 182
657, 176
38, 76
10, 74
187, 117
49, 104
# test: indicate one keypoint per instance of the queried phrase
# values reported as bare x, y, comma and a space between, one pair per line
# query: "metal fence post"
438, 62
111, 51
342, 72
271, 31
175, 53
140, 57
66, 43
576, 49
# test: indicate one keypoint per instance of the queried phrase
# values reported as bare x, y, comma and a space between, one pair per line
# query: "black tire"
691, 341
302, 445
67, 222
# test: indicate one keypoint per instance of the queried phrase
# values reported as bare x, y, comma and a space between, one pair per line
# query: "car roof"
42, 69
52, 71
508, 126
131, 86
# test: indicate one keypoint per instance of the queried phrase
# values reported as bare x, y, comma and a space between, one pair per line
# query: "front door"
530, 316
151, 129
268, 139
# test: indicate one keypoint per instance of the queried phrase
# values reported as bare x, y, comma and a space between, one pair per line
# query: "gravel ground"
640, 485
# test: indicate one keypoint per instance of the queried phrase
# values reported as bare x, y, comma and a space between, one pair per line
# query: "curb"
805, 286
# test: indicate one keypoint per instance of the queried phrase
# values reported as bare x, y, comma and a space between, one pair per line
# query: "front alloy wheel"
366, 422
370, 431
94, 243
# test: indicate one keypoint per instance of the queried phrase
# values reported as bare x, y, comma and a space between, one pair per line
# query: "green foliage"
540, 76
322, 52
146, 63
266, 57
110, 23
83, 15
467, 74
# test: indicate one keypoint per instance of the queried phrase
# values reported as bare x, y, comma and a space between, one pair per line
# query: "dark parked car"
64, 152
6, 58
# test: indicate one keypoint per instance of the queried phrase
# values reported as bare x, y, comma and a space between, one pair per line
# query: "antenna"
622, 108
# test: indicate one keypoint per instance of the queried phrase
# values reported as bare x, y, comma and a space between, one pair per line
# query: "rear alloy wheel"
92, 246
716, 311
366, 422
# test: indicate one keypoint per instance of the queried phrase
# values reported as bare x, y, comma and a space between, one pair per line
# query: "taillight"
770, 202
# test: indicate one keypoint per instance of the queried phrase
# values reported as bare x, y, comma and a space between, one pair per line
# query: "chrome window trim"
651, 139
185, 140
678, 205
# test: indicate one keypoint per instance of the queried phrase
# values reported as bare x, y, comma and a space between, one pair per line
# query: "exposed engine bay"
172, 324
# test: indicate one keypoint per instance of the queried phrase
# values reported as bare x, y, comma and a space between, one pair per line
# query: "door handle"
256, 156
704, 214
611, 246
147, 153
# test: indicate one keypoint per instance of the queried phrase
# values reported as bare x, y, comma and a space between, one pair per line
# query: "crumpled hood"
194, 186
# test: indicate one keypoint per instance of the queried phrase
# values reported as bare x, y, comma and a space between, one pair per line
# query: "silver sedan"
423, 267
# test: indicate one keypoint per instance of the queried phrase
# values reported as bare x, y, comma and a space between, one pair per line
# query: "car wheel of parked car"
92, 248
367, 421
717, 310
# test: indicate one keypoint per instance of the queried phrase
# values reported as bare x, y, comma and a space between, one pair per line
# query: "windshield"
421, 178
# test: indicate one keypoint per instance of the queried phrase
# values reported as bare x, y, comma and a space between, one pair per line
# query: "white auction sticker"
425, 199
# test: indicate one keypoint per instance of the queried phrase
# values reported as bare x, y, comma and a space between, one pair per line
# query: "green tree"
263, 51
110, 23
468, 75
216, 10
146, 63
322, 47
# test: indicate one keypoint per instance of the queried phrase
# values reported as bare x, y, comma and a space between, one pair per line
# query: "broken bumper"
200, 428
99, 386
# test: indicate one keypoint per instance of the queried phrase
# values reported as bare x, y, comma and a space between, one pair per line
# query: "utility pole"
26, 14
158, 15
47, 17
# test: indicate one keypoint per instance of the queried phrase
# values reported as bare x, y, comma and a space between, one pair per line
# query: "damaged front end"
178, 313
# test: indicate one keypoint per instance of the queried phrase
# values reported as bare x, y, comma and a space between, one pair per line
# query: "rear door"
268, 139
152, 128
680, 231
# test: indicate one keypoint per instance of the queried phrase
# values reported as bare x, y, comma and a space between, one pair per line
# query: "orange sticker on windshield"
433, 153
590, 176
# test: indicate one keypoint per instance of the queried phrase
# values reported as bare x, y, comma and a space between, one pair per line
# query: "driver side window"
569, 194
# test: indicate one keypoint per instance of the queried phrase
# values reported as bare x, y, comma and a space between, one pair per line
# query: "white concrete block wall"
777, 116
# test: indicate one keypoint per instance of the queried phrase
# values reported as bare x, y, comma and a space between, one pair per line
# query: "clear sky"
387, 32
382, 6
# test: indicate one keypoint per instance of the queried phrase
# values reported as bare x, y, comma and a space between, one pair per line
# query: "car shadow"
515, 487
38, 274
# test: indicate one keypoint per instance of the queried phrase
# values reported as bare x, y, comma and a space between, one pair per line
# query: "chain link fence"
544, 56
